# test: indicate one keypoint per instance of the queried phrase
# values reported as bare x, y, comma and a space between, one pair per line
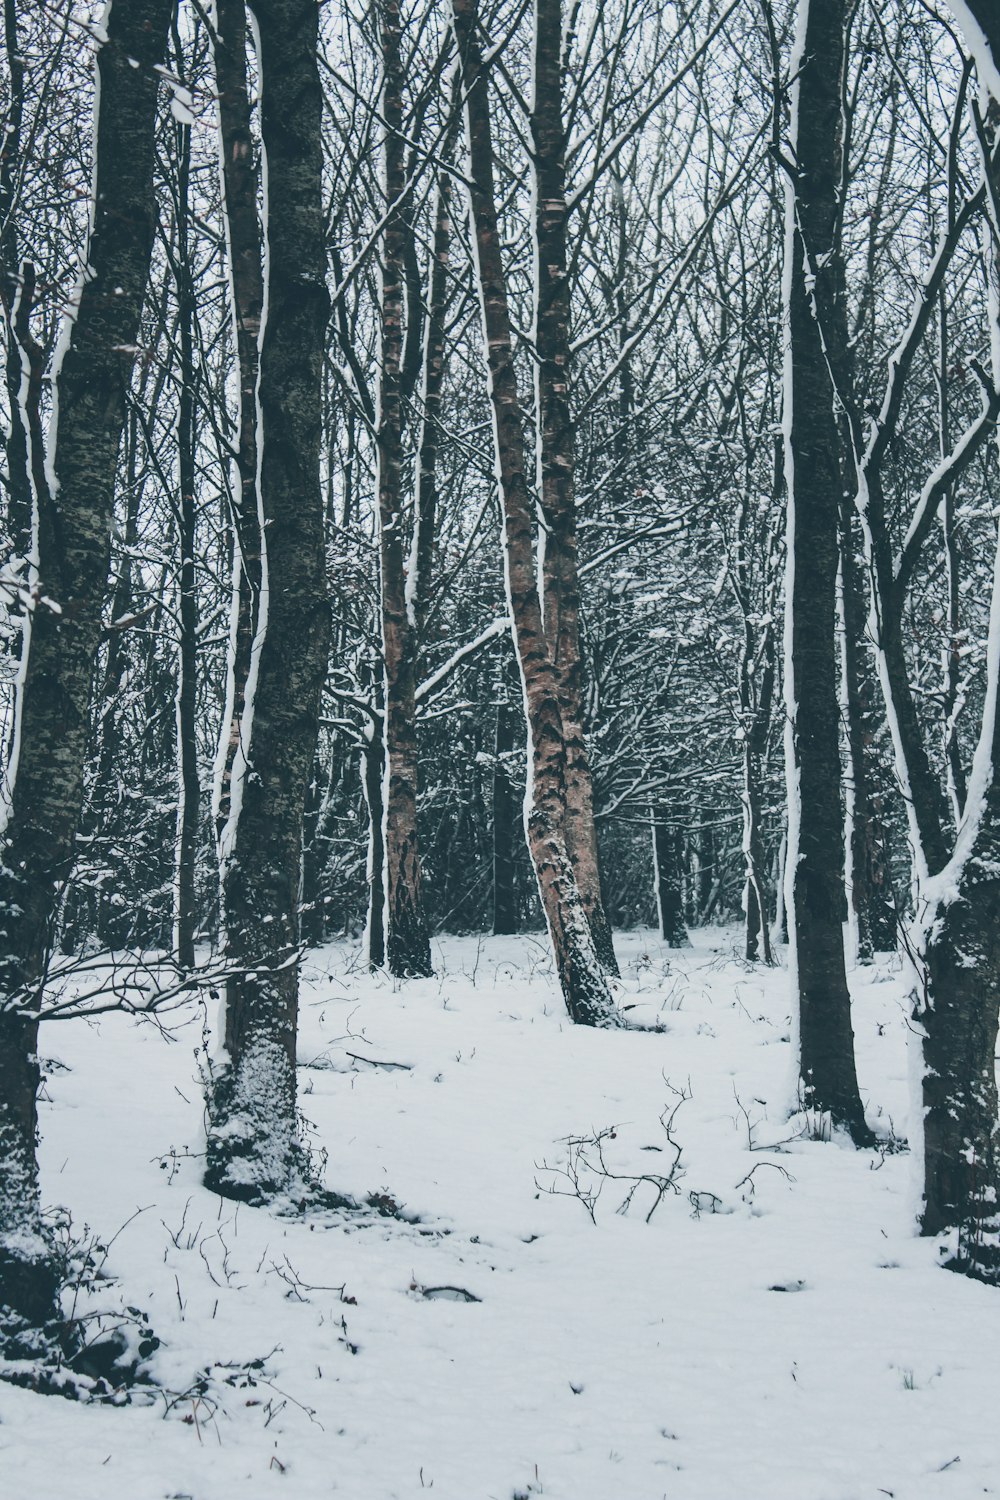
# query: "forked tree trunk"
584, 985
407, 942
61, 636
957, 980
253, 1151
556, 460
815, 480
240, 180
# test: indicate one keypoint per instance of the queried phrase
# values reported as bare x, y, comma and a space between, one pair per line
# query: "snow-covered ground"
774, 1332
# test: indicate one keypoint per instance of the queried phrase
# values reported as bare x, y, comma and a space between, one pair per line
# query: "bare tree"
584, 987
815, 479
253, 1150
72, 504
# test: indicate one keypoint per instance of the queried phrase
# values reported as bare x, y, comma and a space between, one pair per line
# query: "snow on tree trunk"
240, 181
557, 542
815, 479
91, 374
505, 913
584, 985
253, 1151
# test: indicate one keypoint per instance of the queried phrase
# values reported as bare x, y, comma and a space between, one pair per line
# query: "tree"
584, 987
72, 502
253, 1151
815, 479
407, 942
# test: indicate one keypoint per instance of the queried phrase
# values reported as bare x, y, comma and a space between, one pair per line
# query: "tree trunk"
62, 633
556, 461
584, 986
668, 880
506, 814
189, 798
871, 883
15, 297
407, 942
253, 1152
814, 475
372, 783
957, 1003
240, 181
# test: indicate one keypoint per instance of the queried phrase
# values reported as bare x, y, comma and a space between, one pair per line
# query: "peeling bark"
556, 461
584, 985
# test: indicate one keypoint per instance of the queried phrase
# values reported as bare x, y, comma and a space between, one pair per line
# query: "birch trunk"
253, 1151
584, 985
556, 461
407, 942
73, 513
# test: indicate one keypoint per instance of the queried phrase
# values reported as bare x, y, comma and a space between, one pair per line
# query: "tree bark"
815, 479
15, 297
373, 785
62, 632
189, 790
253, 1152
585, 989
407, 941
871, 880
557, 539
957, 971
240, 181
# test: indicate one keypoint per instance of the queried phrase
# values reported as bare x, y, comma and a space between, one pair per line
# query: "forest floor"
773, 1332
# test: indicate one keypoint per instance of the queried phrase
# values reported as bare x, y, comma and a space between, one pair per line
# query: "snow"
799, 1343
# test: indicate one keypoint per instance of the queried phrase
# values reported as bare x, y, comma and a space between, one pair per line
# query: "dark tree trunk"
584, 985
15, 297
668, 854
372, 781
240, 180
556, 462
815, 479
407, 942
957, 994
189, 800
957, 1005
63, 632
253, 1152
756, 693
